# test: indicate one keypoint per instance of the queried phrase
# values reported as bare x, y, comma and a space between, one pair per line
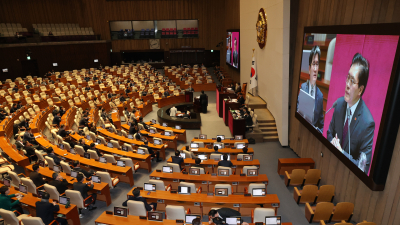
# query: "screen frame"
389, 123
233, 30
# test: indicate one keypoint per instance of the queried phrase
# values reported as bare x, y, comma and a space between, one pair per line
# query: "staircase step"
265, 121
270, 138
267, 129
266, 125
270, 133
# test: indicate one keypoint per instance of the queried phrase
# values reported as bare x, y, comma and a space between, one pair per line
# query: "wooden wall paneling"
395, 205
332, 169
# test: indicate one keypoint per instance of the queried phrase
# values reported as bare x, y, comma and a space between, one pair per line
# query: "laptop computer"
102, 159
96, 179
190, 217
7, 182
202, 156
258, 192
167, 133
194, 145
86, 155
23, 189
149, 187
167, 169
306, 106
233, 220
121, 163
178, 127
157, 142
182, 155
164, 124
74, 174
273, 220
130, 136
155, 216
183, 190
240, 146
63, 200
56, 168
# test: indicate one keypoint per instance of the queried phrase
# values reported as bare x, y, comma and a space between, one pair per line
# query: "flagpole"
250, 78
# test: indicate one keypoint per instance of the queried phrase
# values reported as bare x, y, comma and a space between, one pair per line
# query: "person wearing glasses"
311, 88
352, 112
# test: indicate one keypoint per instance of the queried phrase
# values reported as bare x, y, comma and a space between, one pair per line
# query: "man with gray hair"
59, 182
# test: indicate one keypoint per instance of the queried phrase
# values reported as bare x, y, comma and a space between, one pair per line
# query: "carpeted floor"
267, 153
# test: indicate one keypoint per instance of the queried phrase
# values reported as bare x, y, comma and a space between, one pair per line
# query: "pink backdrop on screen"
380, 51
235, 35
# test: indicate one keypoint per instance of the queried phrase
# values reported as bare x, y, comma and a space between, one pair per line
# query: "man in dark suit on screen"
352, 108
311, 88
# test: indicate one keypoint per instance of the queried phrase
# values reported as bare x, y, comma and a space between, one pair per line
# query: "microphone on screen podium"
333, 106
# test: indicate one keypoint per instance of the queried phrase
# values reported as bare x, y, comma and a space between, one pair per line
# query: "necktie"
346, 128
312, 91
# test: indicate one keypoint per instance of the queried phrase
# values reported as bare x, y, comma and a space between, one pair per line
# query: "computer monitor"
121, 211
74, 174
103, 126
130, 136
110, 129
223, 172
258, 192
190, 217
167, 133
98, 141
233, 220
102, 159
183, 190
42, 163
194, 171
140, 151
88, 137
219, 145
121, 163
248, 158
86, 155
178, 127
124, 148
110, 145
129, 124
157, 142
23, 188
155, 216
153, 121
229, 157
202, 136
96, 179
164, 124
72, 151
221, 191
202, 156
149, 187
221, 136
273, 220
167, 169
152, 131
194, 145
56, 168
7, 182
40, 193
252, 172
63, 200
61, 146
240, 146
238, 137
183, 155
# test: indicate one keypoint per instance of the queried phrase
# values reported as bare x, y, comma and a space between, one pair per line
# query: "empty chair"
15, 180
50, 161
110, 158
296, 178
52, 191
219, 192
259, 214
80, 150
246, 168
342, 211
136, 208
93, 154
175, 212
115, 143
326, 193
105, 177
77, 199
29, 220
129, 162
192, 186
215, 156
175, 167
66, 168
224, 168
10, 218
313, 176
202, 171
160, 185
322, 211
253, 186
308, 194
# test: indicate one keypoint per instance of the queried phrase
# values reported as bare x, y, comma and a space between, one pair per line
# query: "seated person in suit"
84, 121
83, 188
216, 148
50, 153
59, 182
61, 111
219, 140
133, 129
45, 210
13, 108
151, 151
144, 124
62, 132
219, 216
57, 119
93, 148
177, 159
30, 150
7, 203
28, 86
197, 162
166, 93
18, 142
122, 98
15, 88
36, 177
28, 136
225, 161
77, 167
241, 99
19, 105
82, 143
244, 149
24, 124
249, 120
136, 197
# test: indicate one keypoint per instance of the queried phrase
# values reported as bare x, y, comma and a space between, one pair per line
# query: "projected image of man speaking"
352, 120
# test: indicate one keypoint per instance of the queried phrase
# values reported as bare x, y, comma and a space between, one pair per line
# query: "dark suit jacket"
241, 100
178, 160
227, 212
140, 199
362, 128
132, 130
56, 159
19, 145
46, 210
86, 173
82, 188
166, 93
249, 120
203, 99
57, 120
318, 120
225, 163
83, 122
63, 133
60, 185
37, 178
29, 137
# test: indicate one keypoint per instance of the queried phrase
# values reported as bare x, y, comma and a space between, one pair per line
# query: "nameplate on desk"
184, 172
239, 159
259, 223
210, 194
233, 167
197, 204
157, 178
265, 182
179, 221
160, 200
275, 205
109, 212
213, 139
242, 174
187, 164
209, 166
236, 205
247, 195
158, 170
142, 217
213, 174
196, 138
175, 180
235, 183
209, 182
204, 182
152, 178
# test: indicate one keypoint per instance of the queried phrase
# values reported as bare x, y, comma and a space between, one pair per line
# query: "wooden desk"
237, 126
289, 164
221, 95
226, 141
144, 160
125, 174
103, 188
105, 132
13, 155
117, 220
247, 203
233, 152
170, 100
181, 133
116, 119
207, 181
212, 165
227, 106
145, 108
29, 202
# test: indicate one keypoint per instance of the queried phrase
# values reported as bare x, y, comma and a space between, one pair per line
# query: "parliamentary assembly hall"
211, 112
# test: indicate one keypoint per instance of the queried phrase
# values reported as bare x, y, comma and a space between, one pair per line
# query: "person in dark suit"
352, 108
311, 88
30, 150
143, 123
61, 111
133, 129
19, 105
150, 150
136, 197
18, 142
28, 136
82, 143
57, 119
225, 161
15, 128
235, 55
84, 121
15, 88
249, 120
45, 210
238, 88
219, 216
36, 177
77, 168
13, 108
203, 102
241, 99
83, 188
190, 88
50, 153
177, 159
59, 182
166, 93
62, 132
